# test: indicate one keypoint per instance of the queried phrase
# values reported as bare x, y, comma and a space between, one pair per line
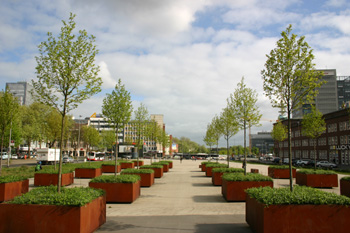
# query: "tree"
90, 136
228, 126
313, 126
141, 119
108, 139
66, 73
117, 109
8, 110
279, 133
290, 78
242, 103
210, 138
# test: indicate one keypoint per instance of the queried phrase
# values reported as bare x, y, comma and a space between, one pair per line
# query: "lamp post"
79, 136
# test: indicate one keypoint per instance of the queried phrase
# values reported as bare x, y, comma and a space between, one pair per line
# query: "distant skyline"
179, 58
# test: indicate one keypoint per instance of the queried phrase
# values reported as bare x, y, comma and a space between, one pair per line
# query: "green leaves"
301, 195
116, 179
135, 171
50, 196
11, 178
317, 171
248, 177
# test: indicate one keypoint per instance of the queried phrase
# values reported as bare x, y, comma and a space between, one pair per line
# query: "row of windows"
305, 154
331, 128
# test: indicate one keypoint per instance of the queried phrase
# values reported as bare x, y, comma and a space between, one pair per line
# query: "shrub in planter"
146, 175
210, 166
164, 164
304, 210
109, 167
317, 178
158, 170
88, 170
126, 164
234, 184
24, 171
280, 171
218, 172
44, 210
49, 176
11, 186
170, 163
121, 188
345, 186
204, 165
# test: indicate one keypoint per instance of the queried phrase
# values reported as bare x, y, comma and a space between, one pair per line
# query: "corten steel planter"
126, 165
12, 189
234, 190
165, 167
147, 179
110, 168
317, 180
254, 170
296, 218
278, 173
52, 218
200, 166
140, 163
158, 172
209, 169
119, 192
216, 178
87, 172
46, 179
345, 187
203, 167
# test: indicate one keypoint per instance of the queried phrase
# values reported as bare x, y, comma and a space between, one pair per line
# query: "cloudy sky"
179, 58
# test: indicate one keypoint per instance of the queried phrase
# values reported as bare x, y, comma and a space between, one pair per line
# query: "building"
333, 145
327, 99
263, 141
21, 91
343, 84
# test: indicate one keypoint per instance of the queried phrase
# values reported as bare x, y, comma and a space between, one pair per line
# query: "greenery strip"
237, 176
116, 179
224, 169
317, 171
135, 171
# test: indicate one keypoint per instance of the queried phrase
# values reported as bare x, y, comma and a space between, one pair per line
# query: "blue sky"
179, 58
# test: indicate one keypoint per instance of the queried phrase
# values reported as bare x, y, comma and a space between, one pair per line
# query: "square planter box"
345, 187
296, 218
234, 190
277, 173
165, 167
12, 189
158, 172
147, 179
317, 180
46, 179
127, 165
204, 167
87, 172
141, 163
119, 192
52, 218
254, 170
216, 178
110, 168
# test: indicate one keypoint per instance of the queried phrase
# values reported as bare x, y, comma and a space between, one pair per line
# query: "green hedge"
110, 163
237, 176
135, 171
151, 166
124, 161
223, 169
116, 179
301, 195
68, 197
160, 163
11, 178
317, 171
51, 169
216, 165
206, 162
24, 171
346, 178
89, 165
280, 167
168, 161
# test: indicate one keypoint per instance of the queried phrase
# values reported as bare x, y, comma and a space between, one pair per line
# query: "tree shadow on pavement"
209, 198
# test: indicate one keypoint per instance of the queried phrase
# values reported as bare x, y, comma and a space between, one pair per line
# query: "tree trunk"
116, 152
290, 151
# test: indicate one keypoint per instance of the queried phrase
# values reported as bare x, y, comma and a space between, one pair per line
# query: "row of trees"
240, 113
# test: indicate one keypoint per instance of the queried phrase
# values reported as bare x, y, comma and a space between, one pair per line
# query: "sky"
179, 58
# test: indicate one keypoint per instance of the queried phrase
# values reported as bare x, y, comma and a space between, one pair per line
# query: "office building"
21, 91
263, 141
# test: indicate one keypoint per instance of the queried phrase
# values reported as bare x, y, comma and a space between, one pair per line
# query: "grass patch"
301, 195
249, 177
116, 179
151, 166
281, 167
51, 169
137, 171
347, 178
24, 171
11, 178
49, 196
217, 165
224, 169
317, 171
89, 165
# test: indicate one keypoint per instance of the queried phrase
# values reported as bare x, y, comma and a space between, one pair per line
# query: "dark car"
276, 160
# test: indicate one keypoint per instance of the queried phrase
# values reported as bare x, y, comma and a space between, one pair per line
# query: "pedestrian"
38, 166
181, 159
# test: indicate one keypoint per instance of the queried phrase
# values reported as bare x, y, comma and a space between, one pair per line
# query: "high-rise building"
343, 83
22, 91
327, 99
263, 141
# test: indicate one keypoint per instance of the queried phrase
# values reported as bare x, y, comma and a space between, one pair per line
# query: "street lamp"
79, 136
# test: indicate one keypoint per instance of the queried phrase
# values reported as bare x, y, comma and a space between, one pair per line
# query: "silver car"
325, 164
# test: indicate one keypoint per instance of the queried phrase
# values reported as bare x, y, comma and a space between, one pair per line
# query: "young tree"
313, 126
210, 138
228, 127
141, 119
279, 134
290, 78
90, 136
117, 109
8, 110
66, 73
243, 106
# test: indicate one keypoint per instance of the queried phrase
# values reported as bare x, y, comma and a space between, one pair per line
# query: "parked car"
276, 160
4, 155
67, 159
301, 163
14, 156
286, 160
325, 164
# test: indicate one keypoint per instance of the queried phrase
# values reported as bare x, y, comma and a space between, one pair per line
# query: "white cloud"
108, 81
